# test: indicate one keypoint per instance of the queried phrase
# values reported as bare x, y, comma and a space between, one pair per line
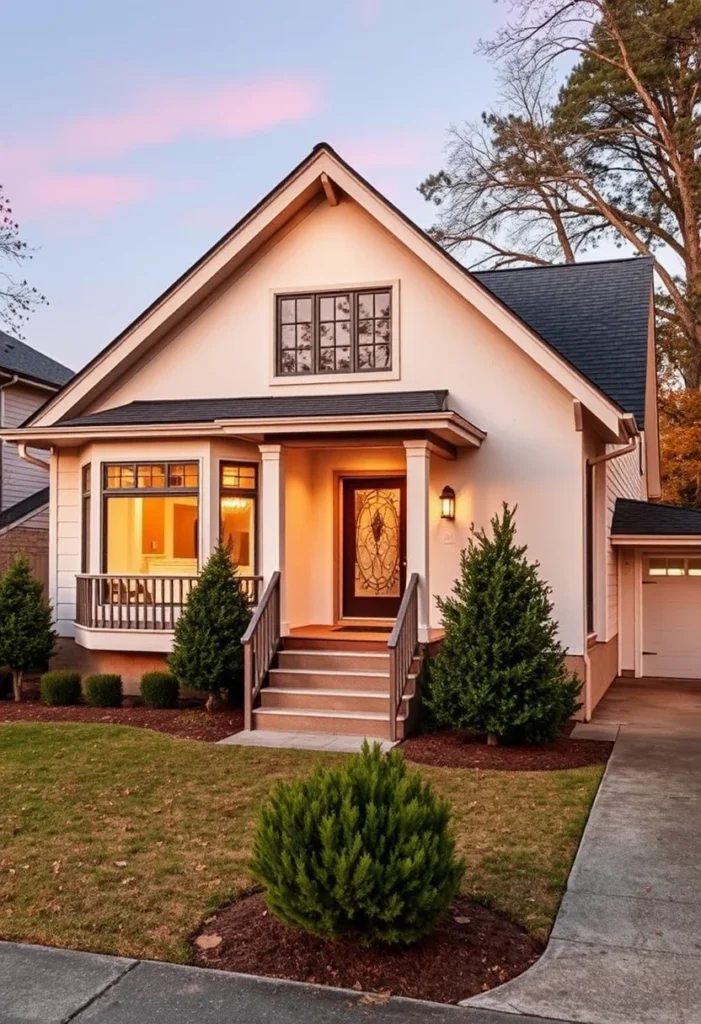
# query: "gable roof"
645, 518
209, 410
302, 185
595, 314
17, 357
24, 508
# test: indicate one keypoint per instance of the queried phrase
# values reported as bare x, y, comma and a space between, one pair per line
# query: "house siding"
623, 480
20, 478
64, 510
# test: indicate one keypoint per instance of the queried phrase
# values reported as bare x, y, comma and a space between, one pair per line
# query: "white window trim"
297, 380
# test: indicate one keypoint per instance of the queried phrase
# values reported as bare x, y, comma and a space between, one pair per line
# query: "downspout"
31, 459
8, 384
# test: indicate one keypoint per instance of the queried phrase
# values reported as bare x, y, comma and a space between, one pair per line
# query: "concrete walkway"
626, 946
55, 986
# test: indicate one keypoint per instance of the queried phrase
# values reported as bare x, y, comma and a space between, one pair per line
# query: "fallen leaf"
375, 998
208, 941
462, 920
120, 863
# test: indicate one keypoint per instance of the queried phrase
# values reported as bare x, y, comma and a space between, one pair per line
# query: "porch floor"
335, 742
361, 632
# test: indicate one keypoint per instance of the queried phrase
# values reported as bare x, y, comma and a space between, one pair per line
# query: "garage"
672, 616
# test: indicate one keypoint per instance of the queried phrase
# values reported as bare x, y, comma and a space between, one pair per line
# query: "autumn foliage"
680, 446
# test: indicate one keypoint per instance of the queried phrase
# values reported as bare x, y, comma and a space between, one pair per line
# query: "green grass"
121, 840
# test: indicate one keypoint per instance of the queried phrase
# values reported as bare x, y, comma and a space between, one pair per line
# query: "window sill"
334, 378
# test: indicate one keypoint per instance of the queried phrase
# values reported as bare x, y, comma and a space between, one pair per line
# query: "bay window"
238, 513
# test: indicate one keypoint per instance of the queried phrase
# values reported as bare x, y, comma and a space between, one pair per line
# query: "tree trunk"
17, 685
211, 702
492, 739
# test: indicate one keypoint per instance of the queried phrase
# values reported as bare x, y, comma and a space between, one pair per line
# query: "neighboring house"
313, 389
27, 379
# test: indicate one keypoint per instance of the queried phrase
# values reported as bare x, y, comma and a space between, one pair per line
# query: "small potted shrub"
362, 852
60, 688
160, 690
103, 690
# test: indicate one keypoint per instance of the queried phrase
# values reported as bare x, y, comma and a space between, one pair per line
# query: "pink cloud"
44, 173
370, 10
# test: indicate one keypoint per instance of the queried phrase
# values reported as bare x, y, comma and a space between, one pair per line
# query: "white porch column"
418, 465
272, 520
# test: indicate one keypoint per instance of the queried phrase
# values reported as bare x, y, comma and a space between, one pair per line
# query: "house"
27, 379
341, 399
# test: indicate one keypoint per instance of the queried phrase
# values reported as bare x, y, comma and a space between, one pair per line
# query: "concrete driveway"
626, 946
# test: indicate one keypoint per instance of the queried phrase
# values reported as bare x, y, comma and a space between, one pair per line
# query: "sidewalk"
56, 986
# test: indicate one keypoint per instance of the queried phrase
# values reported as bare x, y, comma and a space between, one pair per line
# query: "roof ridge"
567, 266
658, 504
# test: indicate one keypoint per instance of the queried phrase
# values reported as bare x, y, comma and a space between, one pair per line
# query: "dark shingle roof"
24, 508
645, 518
206, 410
596, 315
16, 357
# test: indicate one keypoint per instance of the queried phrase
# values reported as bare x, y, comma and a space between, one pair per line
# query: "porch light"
447, 503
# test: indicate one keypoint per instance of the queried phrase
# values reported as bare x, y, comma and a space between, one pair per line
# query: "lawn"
121, 841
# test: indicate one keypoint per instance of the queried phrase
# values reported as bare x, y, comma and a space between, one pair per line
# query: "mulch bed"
452, 748
472, 950
195, 723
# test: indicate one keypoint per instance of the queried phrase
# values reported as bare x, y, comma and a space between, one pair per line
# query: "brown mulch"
195, 723
453, 748
472, 950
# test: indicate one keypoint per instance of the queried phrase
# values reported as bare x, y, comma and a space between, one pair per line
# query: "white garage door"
672, 618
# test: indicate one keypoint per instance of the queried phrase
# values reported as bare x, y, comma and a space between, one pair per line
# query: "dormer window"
337, 332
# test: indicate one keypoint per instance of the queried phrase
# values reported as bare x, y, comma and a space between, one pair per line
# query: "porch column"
272, 519
418, 465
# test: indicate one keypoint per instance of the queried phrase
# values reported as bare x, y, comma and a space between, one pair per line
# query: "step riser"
327, 681
324, 702
303, 643
345, 661
327, 724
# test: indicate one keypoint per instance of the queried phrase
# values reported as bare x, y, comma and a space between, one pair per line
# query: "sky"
135, 134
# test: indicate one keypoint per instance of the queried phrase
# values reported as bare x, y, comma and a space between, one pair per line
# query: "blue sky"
135, 134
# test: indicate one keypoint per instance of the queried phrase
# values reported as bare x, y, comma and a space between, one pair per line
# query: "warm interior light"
447, 503
235, 503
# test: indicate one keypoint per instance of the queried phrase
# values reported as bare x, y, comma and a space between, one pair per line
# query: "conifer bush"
500, 668
362, 852
207, 654
103, 690
160, 690
60, 688
27, 636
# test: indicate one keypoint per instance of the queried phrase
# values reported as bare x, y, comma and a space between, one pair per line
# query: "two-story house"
340, 399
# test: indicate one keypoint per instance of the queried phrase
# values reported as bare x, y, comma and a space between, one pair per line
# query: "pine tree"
207, 653
501, 669
27, 637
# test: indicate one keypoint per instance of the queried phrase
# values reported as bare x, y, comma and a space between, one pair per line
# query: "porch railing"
402, 646
104, 601
260, 642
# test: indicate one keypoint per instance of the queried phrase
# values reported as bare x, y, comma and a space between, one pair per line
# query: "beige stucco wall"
532, 454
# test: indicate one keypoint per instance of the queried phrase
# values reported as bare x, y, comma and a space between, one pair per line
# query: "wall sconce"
447, 503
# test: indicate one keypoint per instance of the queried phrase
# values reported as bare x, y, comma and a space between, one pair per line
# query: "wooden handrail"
260, 644
402, 646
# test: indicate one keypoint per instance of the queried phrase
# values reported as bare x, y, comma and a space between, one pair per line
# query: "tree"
614, 154
207, 653
17, 296
680, 446
27, 637
500, 668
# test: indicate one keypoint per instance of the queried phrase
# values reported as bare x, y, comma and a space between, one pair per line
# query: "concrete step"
364, 661
327, 700
352, 723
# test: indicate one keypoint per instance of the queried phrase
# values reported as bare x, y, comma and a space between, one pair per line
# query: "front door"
373, 547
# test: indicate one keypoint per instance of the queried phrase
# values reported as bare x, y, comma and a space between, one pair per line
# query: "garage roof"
646, 518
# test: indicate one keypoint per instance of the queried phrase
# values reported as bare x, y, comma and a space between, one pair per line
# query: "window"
151, 519
334, 332
237, 512
85, 525
674, 567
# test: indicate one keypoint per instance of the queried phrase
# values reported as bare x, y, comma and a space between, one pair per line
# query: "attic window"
345, 331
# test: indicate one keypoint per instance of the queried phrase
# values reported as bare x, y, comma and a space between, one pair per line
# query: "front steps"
334, 686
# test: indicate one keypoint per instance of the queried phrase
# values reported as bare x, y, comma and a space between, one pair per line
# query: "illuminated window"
674, 567
237, 511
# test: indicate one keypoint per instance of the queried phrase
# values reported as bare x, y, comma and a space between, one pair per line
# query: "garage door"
672, 618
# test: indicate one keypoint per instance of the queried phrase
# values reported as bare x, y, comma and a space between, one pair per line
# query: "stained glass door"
374, 547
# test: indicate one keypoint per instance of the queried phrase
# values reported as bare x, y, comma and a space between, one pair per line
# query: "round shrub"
362, 852
5, 682
103, 691
160, 690
60, 688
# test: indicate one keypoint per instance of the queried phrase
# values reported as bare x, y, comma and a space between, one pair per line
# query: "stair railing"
260, 643
402, 646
